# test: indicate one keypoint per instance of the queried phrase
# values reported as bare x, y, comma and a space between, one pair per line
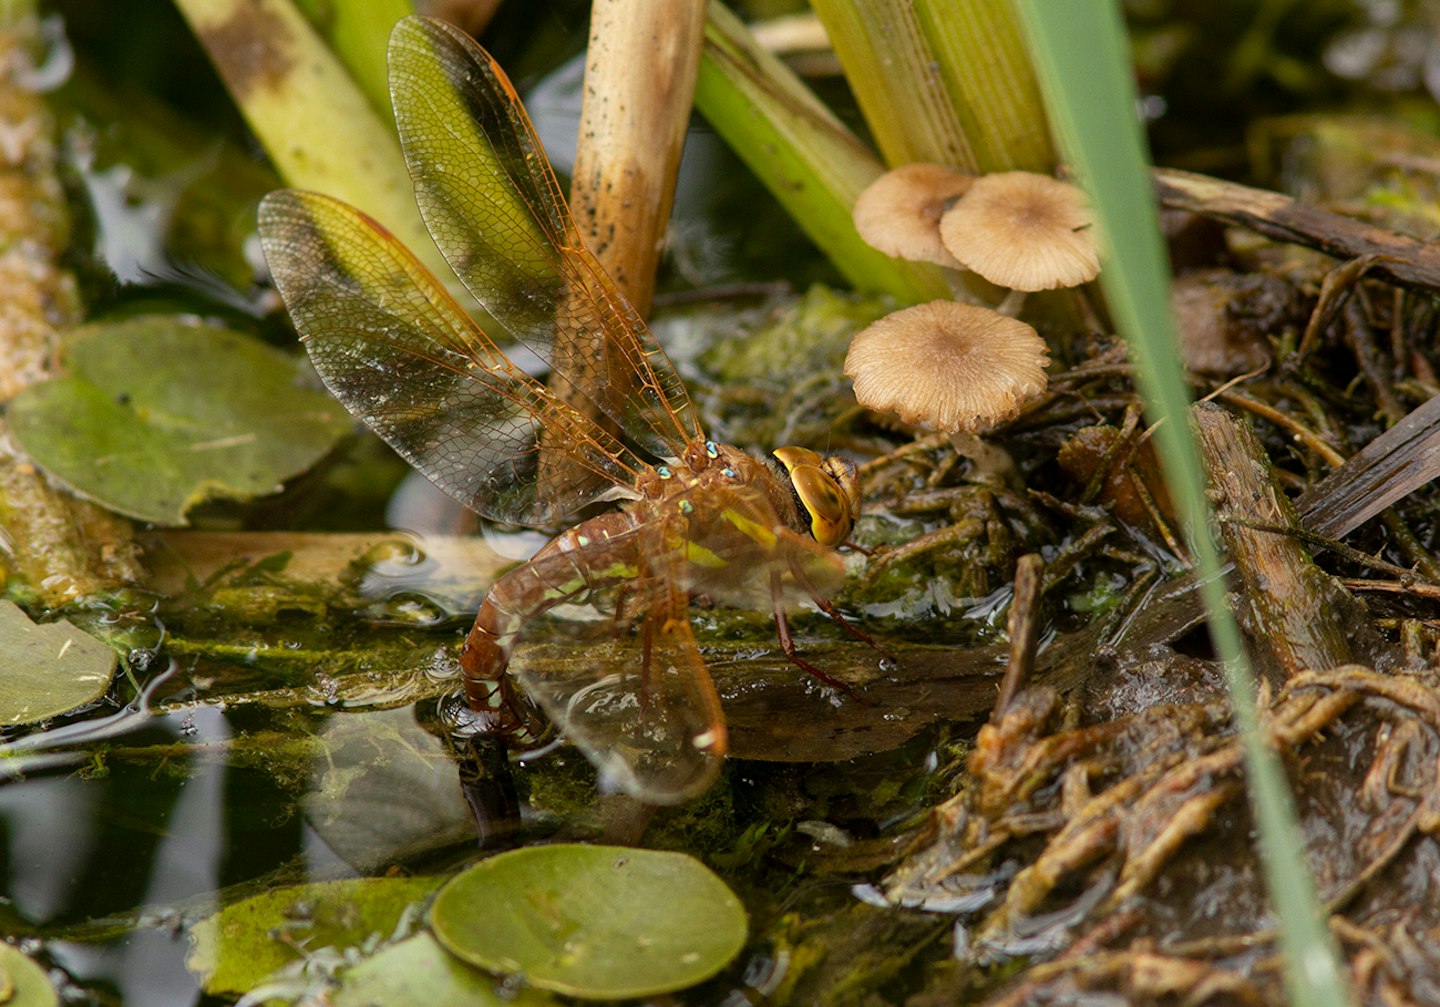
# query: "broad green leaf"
157, 415
47, 670
418, 972
597, 922
240, 946
23, 982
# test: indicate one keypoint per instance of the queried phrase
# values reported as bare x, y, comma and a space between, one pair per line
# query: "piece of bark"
1381, 474
1294, 612
1393, 256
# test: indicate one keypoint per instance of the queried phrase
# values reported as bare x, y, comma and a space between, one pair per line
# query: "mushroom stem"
988, 464
1012, 303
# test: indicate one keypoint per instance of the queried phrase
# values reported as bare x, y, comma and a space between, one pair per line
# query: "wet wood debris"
1118, 856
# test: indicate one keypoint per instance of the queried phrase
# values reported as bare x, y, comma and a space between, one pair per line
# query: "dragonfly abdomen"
595, 554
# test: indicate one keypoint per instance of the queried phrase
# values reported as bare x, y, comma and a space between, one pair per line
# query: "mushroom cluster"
1017, 229
959, 368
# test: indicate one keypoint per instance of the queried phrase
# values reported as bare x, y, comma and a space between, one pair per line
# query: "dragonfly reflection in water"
403, 356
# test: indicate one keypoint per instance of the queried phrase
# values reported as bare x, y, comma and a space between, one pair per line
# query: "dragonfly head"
828, 489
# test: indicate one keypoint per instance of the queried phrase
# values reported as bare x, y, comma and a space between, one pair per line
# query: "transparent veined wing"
491, 202
396, 349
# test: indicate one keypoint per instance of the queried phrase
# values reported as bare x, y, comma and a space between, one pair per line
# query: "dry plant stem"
1382, 473
1022, 625
1385, 471
62, 547
1362, 343
1292, 609
1285, 421
1335, 290
640, 72
1397, 257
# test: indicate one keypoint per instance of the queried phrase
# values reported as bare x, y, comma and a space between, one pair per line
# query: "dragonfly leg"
824, 604
787, 644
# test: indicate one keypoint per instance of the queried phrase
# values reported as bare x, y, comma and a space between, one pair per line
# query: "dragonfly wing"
650, 721
646, 716
645, 711
393, 346
735, 542
495, 210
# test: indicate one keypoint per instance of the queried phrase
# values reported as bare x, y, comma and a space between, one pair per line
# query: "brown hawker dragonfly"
403, 356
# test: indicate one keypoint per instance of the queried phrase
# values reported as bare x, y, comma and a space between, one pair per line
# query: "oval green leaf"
157, 414
48, 669
597, 922
419, 973
23, 983
236, 949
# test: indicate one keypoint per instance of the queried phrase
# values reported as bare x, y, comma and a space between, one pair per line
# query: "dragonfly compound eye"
828, 490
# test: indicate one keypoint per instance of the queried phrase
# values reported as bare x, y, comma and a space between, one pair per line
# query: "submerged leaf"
243, 944
598, 922
420, 973
157, 415
47, 670
23, 983
383, 790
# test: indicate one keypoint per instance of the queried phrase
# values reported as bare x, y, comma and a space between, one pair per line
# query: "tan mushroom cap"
952, 367
1023, 231
899, 212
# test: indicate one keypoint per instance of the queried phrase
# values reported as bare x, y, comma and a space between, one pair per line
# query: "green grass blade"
1082, 61
812, 164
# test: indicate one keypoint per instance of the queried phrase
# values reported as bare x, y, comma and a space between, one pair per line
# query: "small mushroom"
899, 212
956, 368
1023, 231
952, 367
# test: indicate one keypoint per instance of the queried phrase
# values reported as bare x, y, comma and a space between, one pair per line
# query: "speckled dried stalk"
62, 548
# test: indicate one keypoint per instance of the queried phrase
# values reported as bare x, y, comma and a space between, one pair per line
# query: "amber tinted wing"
643, 711
738, 552
401, 355
491, 201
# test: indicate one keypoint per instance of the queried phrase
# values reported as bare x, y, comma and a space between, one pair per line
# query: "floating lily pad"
420, 973
240, 946
48, 669
598, 922
23, 982
157, 415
